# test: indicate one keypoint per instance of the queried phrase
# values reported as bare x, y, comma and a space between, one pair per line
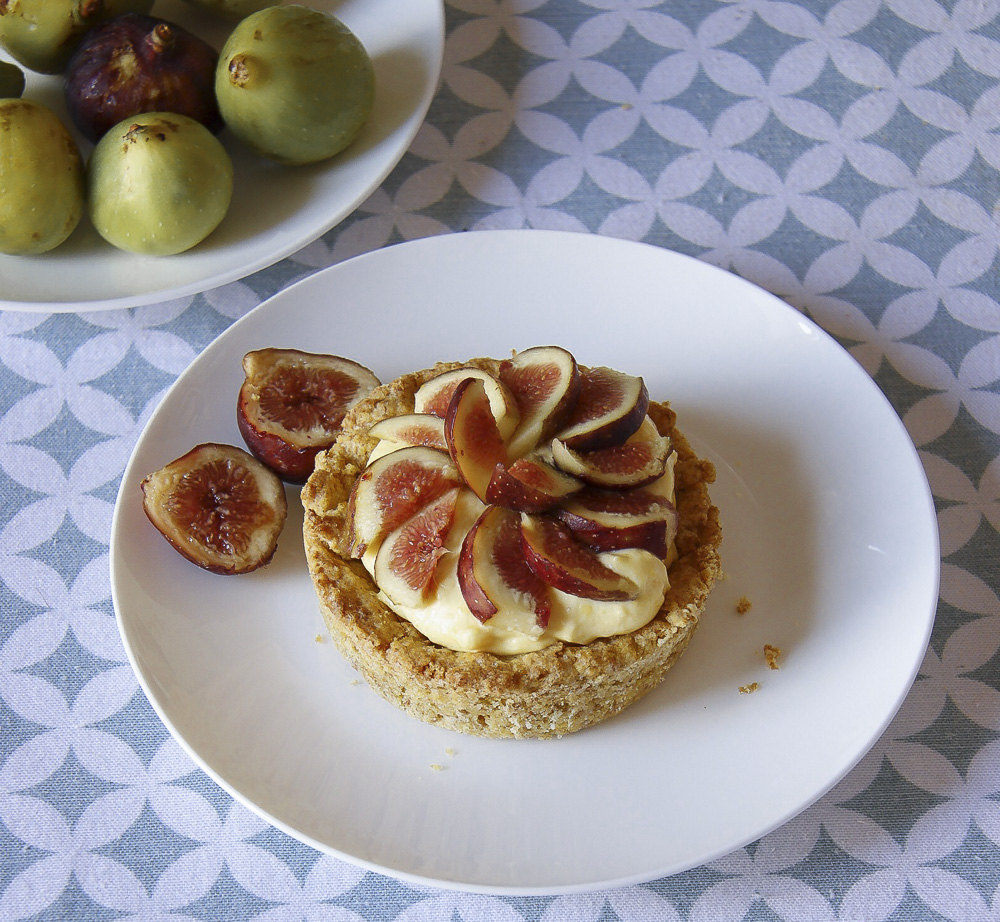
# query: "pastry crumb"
749, 689
743, 605
435, 766
449, 752
771, 655
319, 638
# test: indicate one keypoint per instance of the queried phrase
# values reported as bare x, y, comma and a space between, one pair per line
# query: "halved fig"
394, 488
610, 408
493, 572
545, 382
639, 460
218, 506
474, 441
609, 520
412, 429
530, 485
407, 560
291, 405
435, 397
557, 558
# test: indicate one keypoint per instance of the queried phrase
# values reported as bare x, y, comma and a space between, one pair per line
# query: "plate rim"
319, 279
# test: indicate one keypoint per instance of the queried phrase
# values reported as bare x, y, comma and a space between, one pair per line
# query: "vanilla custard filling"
445, 619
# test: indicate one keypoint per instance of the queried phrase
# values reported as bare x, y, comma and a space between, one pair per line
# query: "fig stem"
160, 39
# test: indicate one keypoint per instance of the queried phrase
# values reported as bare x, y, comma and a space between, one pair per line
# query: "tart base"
561, 689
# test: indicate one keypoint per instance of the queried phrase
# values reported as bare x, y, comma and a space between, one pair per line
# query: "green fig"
41, 179
41, 34
294, 84
234, 9
11, 80
158, 183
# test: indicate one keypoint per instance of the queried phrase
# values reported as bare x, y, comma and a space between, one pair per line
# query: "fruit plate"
275, 210
830, 533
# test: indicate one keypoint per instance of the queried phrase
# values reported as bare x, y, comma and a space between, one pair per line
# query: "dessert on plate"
512, 548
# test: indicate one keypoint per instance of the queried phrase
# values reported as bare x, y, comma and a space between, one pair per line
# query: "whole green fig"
41, 34
11, 80
294, 84
41, 179
158, 183
235, 9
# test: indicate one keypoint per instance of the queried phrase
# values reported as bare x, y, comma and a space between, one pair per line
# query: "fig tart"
514, 548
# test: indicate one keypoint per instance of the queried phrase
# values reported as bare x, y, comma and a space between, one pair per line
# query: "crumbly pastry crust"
547, 693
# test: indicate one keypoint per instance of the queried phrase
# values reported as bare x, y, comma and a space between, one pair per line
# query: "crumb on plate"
743, 605
771, 655
749, 689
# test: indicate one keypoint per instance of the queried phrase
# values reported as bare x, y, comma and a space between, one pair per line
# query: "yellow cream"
445, 619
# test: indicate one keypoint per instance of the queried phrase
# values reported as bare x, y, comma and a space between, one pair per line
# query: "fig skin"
11, 80
41, 179
158, 184
294, 84
42, 34
136, 63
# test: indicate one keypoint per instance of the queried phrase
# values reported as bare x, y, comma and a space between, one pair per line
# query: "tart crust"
547, 693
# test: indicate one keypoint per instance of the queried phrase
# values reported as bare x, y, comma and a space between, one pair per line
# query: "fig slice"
434, 397
407, 559
412, 429
545, 382
530, 485
474, 441
640, 459
610, 520
394, 488
610, 408
218, 506
291, 405
493, 572
559, 559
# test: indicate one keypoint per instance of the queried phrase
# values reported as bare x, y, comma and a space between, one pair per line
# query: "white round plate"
829, 527
276, 210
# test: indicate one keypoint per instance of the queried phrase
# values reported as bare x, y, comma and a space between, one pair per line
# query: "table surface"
843, 155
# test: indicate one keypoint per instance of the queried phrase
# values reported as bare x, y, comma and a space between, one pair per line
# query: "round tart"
548, 692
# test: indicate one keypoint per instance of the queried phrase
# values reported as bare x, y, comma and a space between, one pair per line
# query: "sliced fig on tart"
395, 487
530, 485
493, 572
545, 383
474, 441
412, 429
291, 405
640, 459
407, 559
610, 408
218, 506
610, 520
435, 396
559, 559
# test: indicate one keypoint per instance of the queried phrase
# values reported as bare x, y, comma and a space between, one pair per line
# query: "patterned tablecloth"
843, 155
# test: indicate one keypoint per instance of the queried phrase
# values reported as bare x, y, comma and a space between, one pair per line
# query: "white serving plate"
276, 210
829, 529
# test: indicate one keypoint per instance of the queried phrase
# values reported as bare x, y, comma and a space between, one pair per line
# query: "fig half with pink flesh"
435, 396
610, 408
394, 488
407, 560
412, 429
292, 403
559, 559
545, 383
218, 506
475, 443
610, 520
639, 460
493, 572
530, 485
